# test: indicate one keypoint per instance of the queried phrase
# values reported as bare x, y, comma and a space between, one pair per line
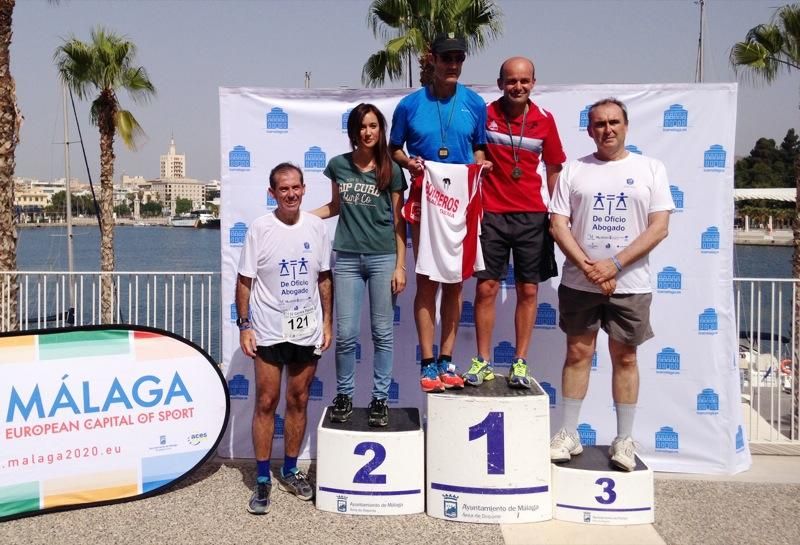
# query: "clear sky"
191, 48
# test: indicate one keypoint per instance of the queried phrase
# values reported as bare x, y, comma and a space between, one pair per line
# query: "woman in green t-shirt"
367, 194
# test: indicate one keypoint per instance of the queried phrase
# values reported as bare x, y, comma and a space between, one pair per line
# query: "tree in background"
105, 66
151, 209
768, 50
409, 26
769, 165
10, 120
183, 206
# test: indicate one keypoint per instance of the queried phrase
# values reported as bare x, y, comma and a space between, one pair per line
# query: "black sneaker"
342, 408
378, 413
259, 501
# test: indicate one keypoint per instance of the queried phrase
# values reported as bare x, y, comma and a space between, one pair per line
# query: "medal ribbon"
443, 129
511, 134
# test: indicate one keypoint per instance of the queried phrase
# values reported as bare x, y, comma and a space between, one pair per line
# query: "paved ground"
758, 506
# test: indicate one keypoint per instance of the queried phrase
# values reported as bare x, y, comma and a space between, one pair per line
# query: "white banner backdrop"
689, 416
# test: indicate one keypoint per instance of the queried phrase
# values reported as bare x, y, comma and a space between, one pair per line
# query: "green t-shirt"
366, 223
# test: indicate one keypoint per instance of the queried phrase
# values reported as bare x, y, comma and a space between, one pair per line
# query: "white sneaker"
623, 453
563, 446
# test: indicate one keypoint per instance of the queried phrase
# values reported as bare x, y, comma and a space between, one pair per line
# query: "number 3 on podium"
493, 428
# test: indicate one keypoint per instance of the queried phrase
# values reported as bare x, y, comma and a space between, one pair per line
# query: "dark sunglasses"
459, 57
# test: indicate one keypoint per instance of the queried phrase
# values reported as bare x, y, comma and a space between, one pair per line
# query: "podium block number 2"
364, 475
492, 427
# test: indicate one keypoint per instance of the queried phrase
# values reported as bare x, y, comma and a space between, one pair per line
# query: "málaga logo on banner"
714, 158
239, 158
676, 118
277, 121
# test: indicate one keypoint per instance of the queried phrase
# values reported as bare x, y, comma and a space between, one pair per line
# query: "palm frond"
128, 128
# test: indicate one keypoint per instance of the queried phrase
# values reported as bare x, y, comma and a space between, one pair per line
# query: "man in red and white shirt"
520, 135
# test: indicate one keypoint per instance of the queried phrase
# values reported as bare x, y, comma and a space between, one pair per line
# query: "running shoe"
449, 377
296, 482
563, 446
342, 408
259, 502
378, 413
430, 381
518, 378
623, 453
479, 371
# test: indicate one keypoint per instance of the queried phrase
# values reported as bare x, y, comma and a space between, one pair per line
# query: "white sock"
625, 416
572, 411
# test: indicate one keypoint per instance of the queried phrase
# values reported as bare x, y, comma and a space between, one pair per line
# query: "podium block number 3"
492, 427
608, 495
364, 475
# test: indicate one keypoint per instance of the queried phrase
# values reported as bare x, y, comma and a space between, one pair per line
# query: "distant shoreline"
83, 222
762, 237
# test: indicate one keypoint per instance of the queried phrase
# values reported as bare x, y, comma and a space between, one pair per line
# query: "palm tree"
409, 26
105, 66
10, 120
768, 50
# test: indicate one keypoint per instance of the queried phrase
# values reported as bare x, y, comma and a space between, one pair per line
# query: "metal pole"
70, 260
698, 73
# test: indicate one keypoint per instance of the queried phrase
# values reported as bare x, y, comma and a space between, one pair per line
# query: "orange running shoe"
449, 377
430, 381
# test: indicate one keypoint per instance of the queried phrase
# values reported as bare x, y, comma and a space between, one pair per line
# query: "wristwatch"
242, 321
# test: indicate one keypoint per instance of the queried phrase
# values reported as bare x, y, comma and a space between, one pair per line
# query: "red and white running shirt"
447, 201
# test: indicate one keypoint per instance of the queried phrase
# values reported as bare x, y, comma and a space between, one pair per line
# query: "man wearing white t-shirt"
610, 209
284, 301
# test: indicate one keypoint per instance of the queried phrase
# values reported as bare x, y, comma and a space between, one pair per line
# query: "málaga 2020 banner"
100, 414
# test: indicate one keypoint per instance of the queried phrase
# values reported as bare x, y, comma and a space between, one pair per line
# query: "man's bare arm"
325, 286
247, 338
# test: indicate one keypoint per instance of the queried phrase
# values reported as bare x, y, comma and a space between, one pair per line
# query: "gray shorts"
625, 317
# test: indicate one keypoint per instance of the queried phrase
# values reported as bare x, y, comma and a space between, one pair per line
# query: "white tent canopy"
785, 194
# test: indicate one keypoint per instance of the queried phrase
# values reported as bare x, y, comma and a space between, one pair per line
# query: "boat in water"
201, 219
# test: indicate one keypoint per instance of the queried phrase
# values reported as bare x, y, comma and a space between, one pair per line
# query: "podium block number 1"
608, 495
364, 475
492, 427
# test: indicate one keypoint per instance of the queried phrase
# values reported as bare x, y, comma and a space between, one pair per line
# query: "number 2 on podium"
493, 428
365, 475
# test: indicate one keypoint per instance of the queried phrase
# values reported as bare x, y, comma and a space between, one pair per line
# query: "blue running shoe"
518, 378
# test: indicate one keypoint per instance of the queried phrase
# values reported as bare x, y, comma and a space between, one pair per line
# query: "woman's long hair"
383, 161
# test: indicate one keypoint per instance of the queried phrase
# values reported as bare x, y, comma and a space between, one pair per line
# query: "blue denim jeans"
350, 275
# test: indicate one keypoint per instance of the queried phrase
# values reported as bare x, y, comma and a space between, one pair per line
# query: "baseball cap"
448, 42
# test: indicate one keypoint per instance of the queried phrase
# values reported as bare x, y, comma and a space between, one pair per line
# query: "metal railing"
185, 303
765, 316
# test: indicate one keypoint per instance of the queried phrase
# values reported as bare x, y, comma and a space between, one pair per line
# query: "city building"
172, 164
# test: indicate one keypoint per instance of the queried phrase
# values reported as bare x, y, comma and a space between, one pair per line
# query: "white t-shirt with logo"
608, 203
285, 261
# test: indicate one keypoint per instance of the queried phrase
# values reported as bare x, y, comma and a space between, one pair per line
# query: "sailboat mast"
70, 259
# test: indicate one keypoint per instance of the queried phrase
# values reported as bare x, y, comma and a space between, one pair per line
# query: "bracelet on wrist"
245, 327
616, 263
